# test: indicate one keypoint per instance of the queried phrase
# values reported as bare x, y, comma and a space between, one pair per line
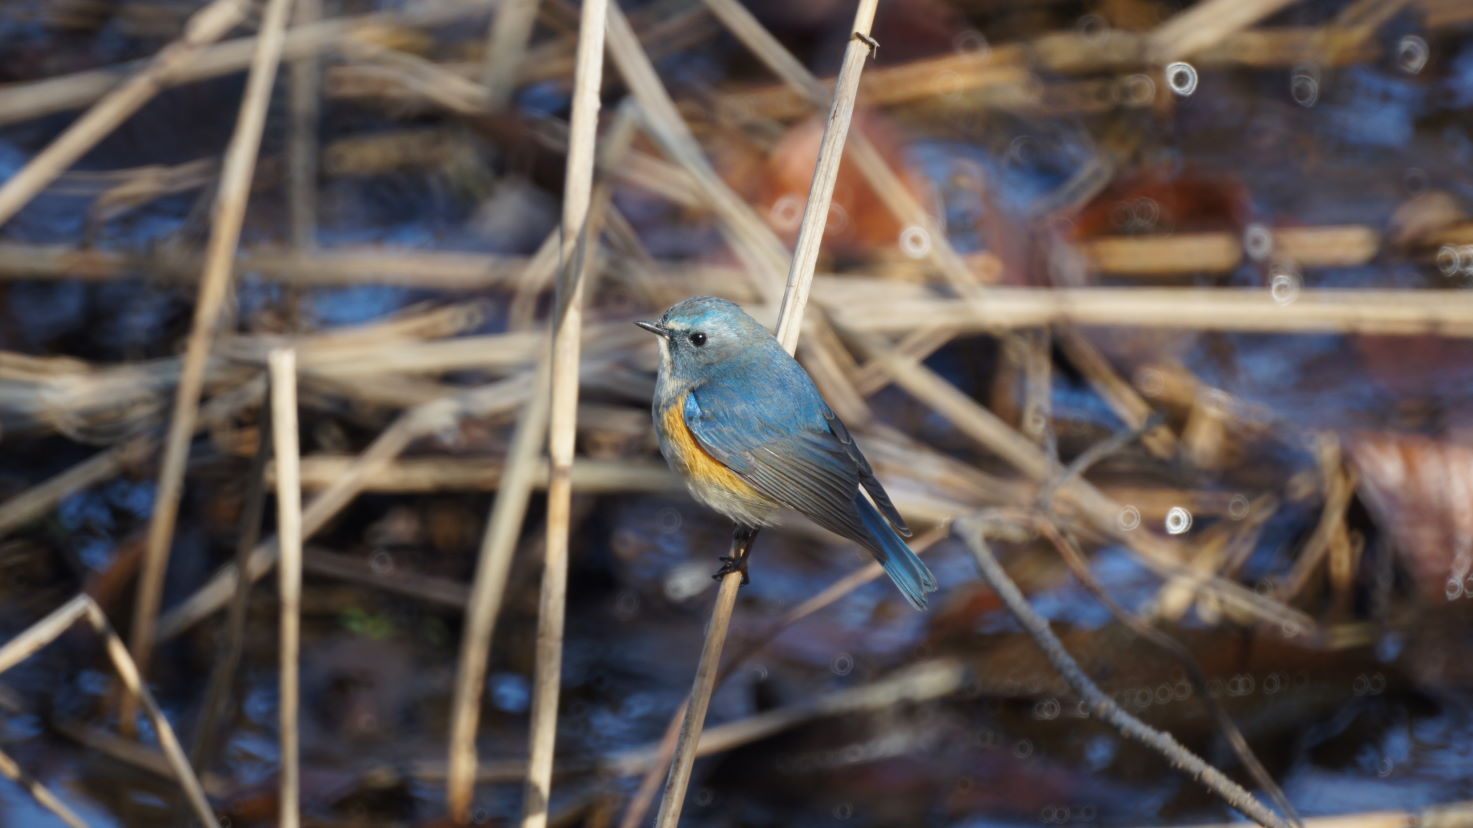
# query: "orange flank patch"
699, 464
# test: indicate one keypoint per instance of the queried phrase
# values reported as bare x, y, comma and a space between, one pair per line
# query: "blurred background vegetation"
1247, 220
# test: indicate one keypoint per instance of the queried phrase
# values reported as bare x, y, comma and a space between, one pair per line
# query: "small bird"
743, 423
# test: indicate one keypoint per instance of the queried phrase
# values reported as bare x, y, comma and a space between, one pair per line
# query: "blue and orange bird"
743, 423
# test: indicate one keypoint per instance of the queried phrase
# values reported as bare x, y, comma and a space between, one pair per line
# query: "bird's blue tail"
902, 565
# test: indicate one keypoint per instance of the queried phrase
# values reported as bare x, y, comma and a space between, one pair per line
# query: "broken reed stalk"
204, 27
563, 406
39, 792
492, 565
229, 214
789, 326
283, 367
82, 607
972, 531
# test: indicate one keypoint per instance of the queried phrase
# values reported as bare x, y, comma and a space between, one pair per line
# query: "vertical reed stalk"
283, 366
494, 562
790, 323
563, 408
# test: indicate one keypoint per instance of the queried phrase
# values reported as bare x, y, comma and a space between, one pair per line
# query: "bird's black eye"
698, 339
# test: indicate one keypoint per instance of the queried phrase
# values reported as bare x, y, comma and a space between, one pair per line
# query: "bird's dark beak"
655, 328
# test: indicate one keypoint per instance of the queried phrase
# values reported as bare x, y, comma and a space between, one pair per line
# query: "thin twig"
789, 326
1069, 550
563, 406
204, 27
1101, 706
229, 214
283, 366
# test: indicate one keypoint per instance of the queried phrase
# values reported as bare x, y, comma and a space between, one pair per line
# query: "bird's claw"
733, 563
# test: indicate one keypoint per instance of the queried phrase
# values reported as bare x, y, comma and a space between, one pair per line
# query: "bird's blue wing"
780, 442
866, 474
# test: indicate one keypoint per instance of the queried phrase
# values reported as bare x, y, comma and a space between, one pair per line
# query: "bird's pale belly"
711, 482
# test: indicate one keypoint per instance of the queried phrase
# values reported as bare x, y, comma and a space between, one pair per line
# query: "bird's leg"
741, 544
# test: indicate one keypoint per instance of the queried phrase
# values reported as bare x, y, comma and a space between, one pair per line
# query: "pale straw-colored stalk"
790, 322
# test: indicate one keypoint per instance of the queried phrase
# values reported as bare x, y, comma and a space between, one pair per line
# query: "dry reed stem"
204, 27
566, 360
442, 592
915, 683
639, 803
493, 563
34, 99
306, 83
1101, 706
229, 214
1407, 312
39, 792
44, 496
755, 242
129, 752
1205, 24
206, 737
506, 48
789, 326
133, 680
453, 474
877, 172
1145, 257
43, 632
994, 77
82, 607
1103, 513
1118, 394
427, 418
1073, 556
825, 175
1450, 815
752, 240
283, 367
1339, 490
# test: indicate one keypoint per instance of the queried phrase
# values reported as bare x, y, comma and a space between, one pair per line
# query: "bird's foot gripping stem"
741, 546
